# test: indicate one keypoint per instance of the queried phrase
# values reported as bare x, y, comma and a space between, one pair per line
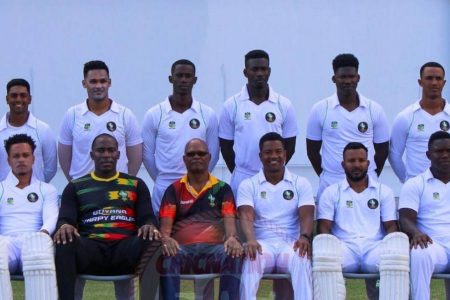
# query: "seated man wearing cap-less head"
198, 227
28, 214
105, 221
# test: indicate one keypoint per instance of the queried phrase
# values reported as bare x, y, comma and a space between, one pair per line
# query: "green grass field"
105, 290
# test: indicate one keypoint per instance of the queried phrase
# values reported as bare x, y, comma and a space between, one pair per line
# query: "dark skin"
197, 159
439, 155
346, 80
432, 82
182, 80
355, 164
18, 99
105, 155
273, 157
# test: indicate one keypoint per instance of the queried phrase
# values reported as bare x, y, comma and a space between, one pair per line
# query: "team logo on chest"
435, 196
172, 125
263, 194
10, 201
420, 127
32, 197
87, 126
212, 200
445, 126
349, 203
194, 123
362, 127
247, 116
288, 195
334, 124
123, 195
111, 126
372, 203
270, 117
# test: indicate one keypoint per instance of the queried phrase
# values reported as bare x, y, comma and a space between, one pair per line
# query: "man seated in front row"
424, 210
105, 221
353, 217
198, 230
28, 213
276, 209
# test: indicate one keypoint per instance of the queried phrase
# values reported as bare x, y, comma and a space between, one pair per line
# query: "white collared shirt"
30, 209
80, 126
335, 126
165, 133
45, 163
411, 131
276, 206
245, 122
430, 198
357, 216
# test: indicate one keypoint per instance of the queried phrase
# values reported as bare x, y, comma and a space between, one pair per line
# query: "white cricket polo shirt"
335, 126
45, 163
357, 216
245, 122
80, 126
27, 210
411, 131
275, 206
165, 133
430, 198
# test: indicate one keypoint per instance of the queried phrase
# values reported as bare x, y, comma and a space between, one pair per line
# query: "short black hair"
182, 62
19, 139
17, 81
345, 60
95, 65
256, 54
431, 64
271, 136
438, 135
104, 135
354, 146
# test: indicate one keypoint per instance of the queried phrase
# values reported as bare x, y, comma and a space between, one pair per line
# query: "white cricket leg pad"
5, 280
39, 267
394, 267
328, 280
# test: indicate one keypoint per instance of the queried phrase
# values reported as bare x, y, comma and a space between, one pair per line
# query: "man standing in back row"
248, 115
169, 125
413, 126
345, 117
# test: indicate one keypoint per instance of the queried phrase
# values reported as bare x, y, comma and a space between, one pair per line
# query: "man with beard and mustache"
353, 216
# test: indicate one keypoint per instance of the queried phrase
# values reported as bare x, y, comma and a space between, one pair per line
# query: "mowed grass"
105, 290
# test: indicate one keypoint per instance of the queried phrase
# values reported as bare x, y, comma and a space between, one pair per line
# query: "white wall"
47, 42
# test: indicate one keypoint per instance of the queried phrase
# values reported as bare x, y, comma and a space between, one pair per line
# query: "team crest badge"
372, 203
270, 117
349, 203
362, 127
111, 126
436, 196
334, 125
194, 123
87, 126
420, 127
172, 125
32, 197
247, 116
123, 195
212, 200
288, 195
10, 201
263, 194
445, 126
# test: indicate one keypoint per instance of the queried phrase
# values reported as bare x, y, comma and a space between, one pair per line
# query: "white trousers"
364, 258
237, 177
278, 256
425, 262
14, 248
